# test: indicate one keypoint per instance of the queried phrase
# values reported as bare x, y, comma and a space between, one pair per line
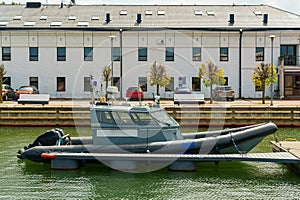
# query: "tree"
106, 77
158, 76
2, 74
264, 75
211, 75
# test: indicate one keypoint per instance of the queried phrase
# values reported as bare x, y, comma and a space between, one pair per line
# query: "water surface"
228, 180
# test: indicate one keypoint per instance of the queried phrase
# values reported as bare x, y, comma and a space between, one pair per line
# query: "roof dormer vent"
138, 18
265, 20
107, 19
33, 4
231, 19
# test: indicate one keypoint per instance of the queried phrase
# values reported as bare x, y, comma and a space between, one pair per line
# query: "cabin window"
122, 118
142, 118
105, 117
163, 118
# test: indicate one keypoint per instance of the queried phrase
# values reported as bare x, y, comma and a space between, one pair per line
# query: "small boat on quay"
124, 136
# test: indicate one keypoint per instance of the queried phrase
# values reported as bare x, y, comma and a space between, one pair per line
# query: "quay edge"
194, 116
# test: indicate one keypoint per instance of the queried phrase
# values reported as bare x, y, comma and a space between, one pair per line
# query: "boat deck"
280, 157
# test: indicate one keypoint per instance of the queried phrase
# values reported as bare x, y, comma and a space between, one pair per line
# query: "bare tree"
211, 75
158, 76
264, 75
2, 74
106, 77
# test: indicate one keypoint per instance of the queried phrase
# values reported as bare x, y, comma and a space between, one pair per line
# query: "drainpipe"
240, 64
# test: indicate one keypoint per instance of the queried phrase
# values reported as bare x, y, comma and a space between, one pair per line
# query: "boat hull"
237, 140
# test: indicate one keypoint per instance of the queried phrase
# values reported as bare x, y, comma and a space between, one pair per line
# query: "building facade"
58, 47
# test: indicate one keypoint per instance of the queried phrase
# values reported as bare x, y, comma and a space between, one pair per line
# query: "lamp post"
272, 43
111, 58
121, 62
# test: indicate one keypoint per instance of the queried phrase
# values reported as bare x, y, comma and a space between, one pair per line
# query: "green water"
229, 180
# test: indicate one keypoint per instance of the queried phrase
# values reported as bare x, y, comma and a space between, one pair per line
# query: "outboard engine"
51, 137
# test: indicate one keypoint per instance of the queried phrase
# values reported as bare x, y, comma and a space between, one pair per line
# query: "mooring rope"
235, 146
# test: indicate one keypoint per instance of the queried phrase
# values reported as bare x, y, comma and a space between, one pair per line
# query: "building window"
196, 54
33, 53
259, 54
169, 53
143, 83
258, 88
116, 82
116, 54
34, 81
6, 80
224, 54
6, 54
289, 54
61, 84
143, 54
87, 84
61, 53
196, 84
226, 81
170, 86
88, 53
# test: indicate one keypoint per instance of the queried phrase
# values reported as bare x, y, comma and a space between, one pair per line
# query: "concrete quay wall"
187, 115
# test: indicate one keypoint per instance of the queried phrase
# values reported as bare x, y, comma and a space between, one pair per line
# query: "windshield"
163, 118
25, 88
142, 118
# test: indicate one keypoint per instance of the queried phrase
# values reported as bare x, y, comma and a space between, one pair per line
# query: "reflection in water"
235, 180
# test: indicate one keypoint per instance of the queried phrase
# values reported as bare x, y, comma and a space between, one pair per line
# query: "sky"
289, 5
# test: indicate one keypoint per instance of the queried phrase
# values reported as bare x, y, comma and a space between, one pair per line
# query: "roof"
152, 16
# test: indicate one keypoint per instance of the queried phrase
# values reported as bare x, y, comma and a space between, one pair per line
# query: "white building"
58, 47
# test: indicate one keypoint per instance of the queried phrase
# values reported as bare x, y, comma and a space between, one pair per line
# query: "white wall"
75, 69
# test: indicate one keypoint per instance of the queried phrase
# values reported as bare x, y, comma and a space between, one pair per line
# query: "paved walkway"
236, 103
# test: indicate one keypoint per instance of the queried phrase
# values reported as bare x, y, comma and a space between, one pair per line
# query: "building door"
288, 52
297, 85
292, 85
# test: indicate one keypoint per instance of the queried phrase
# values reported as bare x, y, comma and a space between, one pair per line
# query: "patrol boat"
125, 132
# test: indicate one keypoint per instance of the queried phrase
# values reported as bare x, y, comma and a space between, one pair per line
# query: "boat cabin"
132, 125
